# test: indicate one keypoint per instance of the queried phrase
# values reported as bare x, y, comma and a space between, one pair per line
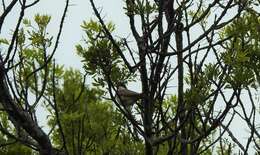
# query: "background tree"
90, 125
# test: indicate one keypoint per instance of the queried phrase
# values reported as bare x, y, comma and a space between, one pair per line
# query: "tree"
212, 69
193, 86
90, 125
80, 121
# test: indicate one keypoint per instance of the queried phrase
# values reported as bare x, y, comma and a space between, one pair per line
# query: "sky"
79, 10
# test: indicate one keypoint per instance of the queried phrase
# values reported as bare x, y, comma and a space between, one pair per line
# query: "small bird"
127, 97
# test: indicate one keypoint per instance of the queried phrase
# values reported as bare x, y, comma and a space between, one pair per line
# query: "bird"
127, 97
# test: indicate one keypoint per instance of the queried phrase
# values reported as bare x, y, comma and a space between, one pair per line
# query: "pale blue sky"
79, 10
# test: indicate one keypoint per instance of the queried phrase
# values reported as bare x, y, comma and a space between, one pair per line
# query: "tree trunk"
19, 117
181, 104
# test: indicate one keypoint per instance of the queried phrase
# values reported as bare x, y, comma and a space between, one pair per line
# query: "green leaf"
4, 41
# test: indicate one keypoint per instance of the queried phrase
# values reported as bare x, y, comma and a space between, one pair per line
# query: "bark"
181, 104
19, 117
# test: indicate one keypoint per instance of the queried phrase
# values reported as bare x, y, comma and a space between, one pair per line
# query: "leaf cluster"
100, 57
242, 54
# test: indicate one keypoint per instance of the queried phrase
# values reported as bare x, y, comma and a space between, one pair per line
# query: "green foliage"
225, 148
212, 72
140, 7
201, 86
9, 146
15, 148
33, 74
4, 41
90, 125
33, 42
100, 57
38, 36
242, 53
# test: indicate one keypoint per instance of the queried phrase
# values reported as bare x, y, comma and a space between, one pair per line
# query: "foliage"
89, 124
9, 145
242, 53
100, 57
